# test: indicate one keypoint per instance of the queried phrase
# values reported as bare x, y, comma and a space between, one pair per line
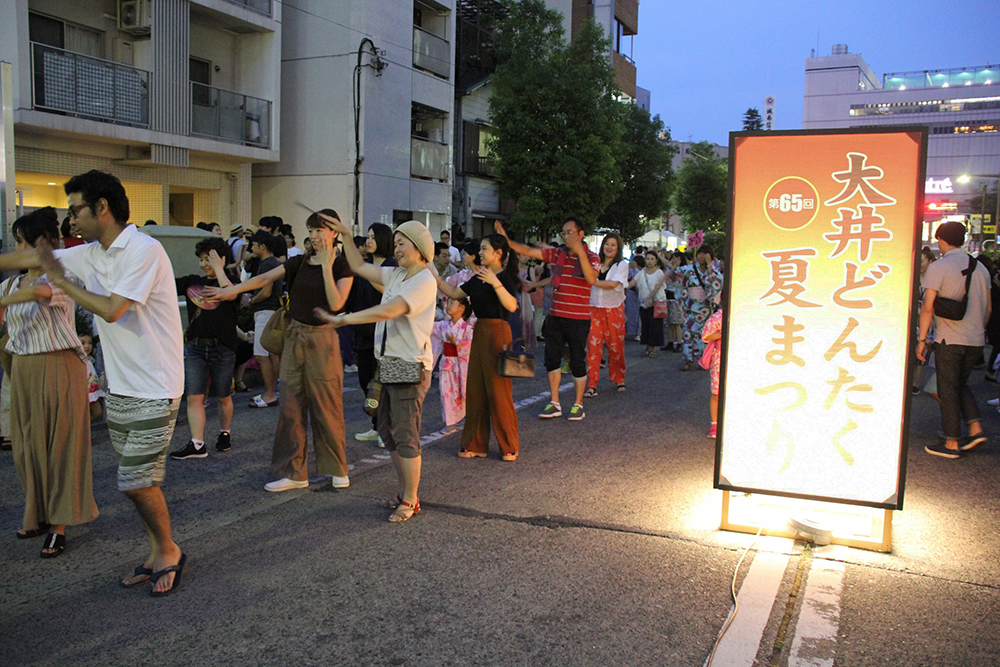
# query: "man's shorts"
260, 319
561, 332
202, 362
140, 432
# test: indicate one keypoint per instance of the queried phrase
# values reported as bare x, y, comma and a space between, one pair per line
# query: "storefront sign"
939, 186
824, 238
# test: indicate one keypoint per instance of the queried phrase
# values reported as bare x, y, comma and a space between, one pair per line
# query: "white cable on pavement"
736, 602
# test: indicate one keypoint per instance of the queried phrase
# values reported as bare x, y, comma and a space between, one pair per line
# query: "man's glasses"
564, 233
74, 211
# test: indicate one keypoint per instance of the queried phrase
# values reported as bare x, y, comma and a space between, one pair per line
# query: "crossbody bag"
954, 309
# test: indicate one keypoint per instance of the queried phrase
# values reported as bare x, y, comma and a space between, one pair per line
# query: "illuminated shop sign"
818, 319
942, 206
939, 186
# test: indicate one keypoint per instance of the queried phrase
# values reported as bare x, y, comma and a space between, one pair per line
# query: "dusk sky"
707, 62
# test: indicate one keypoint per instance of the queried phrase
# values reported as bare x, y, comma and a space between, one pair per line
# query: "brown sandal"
405, 511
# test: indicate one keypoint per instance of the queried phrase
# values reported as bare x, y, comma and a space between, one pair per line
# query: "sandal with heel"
54, 545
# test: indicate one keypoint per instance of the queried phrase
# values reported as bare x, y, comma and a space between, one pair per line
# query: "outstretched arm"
257, 282
40, 292
111, 308
394, 307
519, 248
448, 290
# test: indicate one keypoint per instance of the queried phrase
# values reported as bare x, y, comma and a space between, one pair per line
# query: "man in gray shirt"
959, 342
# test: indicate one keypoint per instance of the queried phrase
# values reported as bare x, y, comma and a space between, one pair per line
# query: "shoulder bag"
954, 309
515, 364
272, 338
394, 370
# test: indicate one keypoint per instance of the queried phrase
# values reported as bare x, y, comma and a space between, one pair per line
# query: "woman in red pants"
607, 316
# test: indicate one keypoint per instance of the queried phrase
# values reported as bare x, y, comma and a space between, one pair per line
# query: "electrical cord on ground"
732, 591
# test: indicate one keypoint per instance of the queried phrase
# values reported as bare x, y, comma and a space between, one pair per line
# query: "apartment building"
960, 106
366, 96
178, 98
476, 202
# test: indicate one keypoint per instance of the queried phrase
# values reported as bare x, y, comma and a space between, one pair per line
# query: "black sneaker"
190, 451
223, 444
972, 441
939, 449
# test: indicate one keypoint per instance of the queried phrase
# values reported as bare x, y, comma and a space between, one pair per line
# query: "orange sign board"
819, 314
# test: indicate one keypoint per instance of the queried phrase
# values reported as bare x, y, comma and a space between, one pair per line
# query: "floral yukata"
699, 287
452, 341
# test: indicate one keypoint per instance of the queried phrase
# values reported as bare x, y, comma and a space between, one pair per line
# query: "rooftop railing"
79, 85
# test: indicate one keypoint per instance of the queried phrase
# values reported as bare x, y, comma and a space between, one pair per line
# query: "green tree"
701, 189
646, 174
557, 125
977, 203
752, 120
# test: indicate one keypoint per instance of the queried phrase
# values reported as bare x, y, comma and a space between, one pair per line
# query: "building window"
61, 34
201, 74
429, 153
476, 157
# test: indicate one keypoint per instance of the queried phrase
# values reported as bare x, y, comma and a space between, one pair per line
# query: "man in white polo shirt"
129, 283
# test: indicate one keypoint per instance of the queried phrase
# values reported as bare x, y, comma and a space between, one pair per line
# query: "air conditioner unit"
134, 16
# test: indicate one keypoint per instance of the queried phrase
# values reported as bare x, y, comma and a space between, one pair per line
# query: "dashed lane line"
377, 460
815, 640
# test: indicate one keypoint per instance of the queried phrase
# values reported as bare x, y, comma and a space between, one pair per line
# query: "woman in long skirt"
50, 414
701, 282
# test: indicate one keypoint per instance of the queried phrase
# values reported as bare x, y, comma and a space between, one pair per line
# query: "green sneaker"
576, 413
551, 410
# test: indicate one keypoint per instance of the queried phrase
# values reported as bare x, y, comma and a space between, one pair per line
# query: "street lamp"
965, 178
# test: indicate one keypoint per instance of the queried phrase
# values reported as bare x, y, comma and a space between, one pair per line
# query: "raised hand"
337, 225
498, 228
325, 251
50, 265
216, 262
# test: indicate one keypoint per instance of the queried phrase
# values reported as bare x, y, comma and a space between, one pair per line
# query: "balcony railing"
428, 159
431, 53
79, 85
222, 114
259, 6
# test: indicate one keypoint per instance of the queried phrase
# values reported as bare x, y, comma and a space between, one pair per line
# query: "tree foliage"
557, 127
752, 120
645, 164
701, 189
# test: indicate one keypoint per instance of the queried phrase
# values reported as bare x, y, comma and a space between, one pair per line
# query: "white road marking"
815, 640
756, 598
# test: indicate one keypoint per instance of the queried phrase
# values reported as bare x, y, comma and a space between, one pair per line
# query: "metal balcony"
78, 85
229, 116
259, 6
431, 53
428, 159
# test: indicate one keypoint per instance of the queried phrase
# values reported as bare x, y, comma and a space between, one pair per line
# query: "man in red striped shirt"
574, 270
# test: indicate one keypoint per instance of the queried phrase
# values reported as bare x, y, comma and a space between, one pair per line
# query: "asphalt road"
599, 546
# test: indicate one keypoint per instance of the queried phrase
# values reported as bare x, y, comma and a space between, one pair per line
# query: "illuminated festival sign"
819, 315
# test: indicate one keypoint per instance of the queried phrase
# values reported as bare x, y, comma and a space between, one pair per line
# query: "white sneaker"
285, 484
380, 443
353, 368
367, 436
994, 402
340, 482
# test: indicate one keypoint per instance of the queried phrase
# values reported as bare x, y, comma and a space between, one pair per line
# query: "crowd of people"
97, 318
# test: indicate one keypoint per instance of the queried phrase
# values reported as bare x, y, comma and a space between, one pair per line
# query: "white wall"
318, 56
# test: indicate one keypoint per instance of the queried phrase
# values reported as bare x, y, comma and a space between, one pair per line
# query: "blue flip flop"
138, 572
176, 569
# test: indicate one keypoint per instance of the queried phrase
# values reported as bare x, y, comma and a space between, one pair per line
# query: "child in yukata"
711, 360
451, 339
94, 391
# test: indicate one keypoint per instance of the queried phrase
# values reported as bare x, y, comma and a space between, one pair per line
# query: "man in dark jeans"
959, 342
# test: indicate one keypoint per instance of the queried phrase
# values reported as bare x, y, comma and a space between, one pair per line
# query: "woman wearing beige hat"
405, 319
